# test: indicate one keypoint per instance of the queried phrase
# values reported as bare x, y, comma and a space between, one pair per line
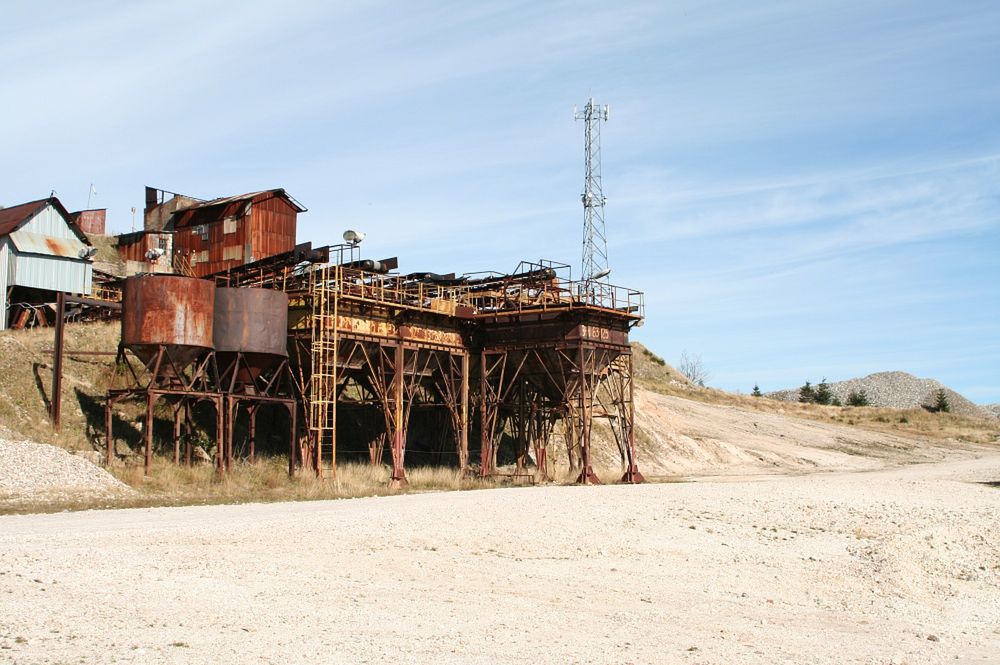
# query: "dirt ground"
886, 566
678, 436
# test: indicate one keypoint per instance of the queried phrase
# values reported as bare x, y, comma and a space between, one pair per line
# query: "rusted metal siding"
224, 236
133, 246
91, 221
33, 243
272, 228
170, 310
251, 321
367, 327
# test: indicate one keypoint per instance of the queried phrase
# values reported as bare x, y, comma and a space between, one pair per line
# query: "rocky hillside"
994, 409
895, 390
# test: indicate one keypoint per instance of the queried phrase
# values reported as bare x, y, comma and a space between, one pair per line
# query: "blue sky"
803, 189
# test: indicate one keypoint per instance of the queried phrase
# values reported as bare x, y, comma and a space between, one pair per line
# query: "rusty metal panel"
598, 333
420, 334
132, 249
272, 221
35, 243
219, 235
431, 335
251, 321
367, 326
91, 221
169, 310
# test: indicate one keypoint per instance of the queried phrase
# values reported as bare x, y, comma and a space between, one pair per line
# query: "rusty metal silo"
250, 332
168, 313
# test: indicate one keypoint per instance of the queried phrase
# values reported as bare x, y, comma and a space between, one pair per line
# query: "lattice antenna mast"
595, 244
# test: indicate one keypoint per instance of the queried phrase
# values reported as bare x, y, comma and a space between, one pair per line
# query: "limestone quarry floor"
889, 566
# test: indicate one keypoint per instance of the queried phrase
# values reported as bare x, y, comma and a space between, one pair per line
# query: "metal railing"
506, 293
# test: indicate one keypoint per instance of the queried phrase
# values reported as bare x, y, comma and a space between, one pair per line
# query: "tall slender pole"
463, 435
55, 404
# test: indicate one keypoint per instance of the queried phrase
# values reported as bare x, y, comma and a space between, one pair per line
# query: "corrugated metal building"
91, 221
211, 236
139, 251
41, 252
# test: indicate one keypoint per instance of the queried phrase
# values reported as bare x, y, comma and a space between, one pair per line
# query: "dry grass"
265, 481
27, 372
268, 480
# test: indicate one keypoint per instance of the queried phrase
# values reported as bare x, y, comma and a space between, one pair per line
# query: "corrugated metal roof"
243, 197
15, 216
34, 243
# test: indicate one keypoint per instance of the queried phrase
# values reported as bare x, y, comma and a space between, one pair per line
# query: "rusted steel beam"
587, 475
148, 432
398, 478
177, 433
463, 433
632, 474
92, 302
84, 353
55, 401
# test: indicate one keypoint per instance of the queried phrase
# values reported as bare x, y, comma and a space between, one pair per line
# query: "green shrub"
858, 398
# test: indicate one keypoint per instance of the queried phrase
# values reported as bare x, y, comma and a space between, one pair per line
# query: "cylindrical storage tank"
253, 322
172, 311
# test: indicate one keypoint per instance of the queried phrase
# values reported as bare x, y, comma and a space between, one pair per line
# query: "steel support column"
398, 478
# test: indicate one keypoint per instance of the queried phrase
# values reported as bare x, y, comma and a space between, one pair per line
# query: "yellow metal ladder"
324, 288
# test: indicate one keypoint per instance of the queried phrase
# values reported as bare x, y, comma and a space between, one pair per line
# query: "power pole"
595, 245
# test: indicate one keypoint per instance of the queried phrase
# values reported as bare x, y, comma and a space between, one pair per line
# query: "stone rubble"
895, 390
40, 472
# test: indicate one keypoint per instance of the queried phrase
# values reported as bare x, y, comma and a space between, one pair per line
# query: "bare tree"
693, 368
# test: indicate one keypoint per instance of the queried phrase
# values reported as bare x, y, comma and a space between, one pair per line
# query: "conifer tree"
822, 394
857, 398
807, 395
756, 391
941, 404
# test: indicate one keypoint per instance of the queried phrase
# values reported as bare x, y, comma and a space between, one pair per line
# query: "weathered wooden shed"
212, 236
42, 252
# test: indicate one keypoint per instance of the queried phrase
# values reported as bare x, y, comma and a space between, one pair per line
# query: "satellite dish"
601, 275
86, 252
353, 237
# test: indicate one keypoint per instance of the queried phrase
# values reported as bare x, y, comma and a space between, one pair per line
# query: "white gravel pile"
894, 390
994, 409
40, 472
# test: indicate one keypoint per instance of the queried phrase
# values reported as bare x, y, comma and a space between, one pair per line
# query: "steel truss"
170, 374
524, 392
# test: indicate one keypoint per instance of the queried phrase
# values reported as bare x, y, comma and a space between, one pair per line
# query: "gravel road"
890, 566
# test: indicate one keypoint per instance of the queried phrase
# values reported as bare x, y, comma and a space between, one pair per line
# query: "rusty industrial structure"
226, 314
186, 342
352, 348
201, 238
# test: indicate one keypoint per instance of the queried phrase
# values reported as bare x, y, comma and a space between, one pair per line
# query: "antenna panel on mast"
595, 264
